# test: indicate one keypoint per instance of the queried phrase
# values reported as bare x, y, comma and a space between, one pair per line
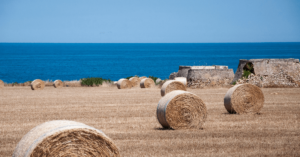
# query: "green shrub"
129, 77
246, 73
153, 78
234, 83
93, 81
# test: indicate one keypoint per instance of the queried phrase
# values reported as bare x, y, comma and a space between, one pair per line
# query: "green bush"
93, 81
234, 83
153, 78
129, 77
246, 73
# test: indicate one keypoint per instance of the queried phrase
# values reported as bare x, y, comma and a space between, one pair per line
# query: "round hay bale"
244, 98
135, 81
181, 79
170, 86
58, 84
143, 77
1, 84
37, 84
123, 84
65, 138
158, 81
181, 110
147, 83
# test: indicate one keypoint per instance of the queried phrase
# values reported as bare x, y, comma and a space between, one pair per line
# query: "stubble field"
128, 117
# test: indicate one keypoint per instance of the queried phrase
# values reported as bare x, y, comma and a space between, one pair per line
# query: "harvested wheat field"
128, 118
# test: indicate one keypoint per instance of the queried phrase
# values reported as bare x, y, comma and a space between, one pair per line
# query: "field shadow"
227, 113
174, 129
159, 128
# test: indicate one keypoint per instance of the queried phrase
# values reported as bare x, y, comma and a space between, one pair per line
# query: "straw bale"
181, 110
244, 98
142, 77
123, 84
65, 138
170, 86
37, 84
1, 84
135, 81
147, 83
181, 79
58, 84
158, 81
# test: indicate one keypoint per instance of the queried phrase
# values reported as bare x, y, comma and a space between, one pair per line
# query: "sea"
21, 62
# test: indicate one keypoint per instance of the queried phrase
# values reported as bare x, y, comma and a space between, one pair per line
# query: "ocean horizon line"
142, 43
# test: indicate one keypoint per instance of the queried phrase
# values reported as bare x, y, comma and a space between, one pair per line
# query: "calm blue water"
22, 62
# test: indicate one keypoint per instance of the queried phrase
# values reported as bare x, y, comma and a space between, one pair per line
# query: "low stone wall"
183, 71
200, 78
172, 76
279, 80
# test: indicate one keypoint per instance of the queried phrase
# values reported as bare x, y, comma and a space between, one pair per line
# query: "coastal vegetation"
94, 81
153, 78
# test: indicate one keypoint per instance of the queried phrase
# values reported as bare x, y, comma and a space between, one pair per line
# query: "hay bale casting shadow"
135, 81
37, 84
147, 83
124, 84
170, 86
65, 138
181, 110
244, 98
58, 84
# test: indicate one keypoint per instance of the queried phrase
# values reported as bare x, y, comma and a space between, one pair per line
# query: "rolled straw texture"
170, 86
135, 81
58, 84
143, 77
37, 84
181, 79
181, 110
65, 138
1, 84
123, 84
147, 83
244, 98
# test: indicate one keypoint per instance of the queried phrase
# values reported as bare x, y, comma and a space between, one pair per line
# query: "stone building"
269, 72
202, 76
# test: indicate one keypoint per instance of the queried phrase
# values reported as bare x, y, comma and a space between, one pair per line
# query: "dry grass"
128, 117
74, 83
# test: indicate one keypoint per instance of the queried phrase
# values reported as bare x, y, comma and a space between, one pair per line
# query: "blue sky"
149, 21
